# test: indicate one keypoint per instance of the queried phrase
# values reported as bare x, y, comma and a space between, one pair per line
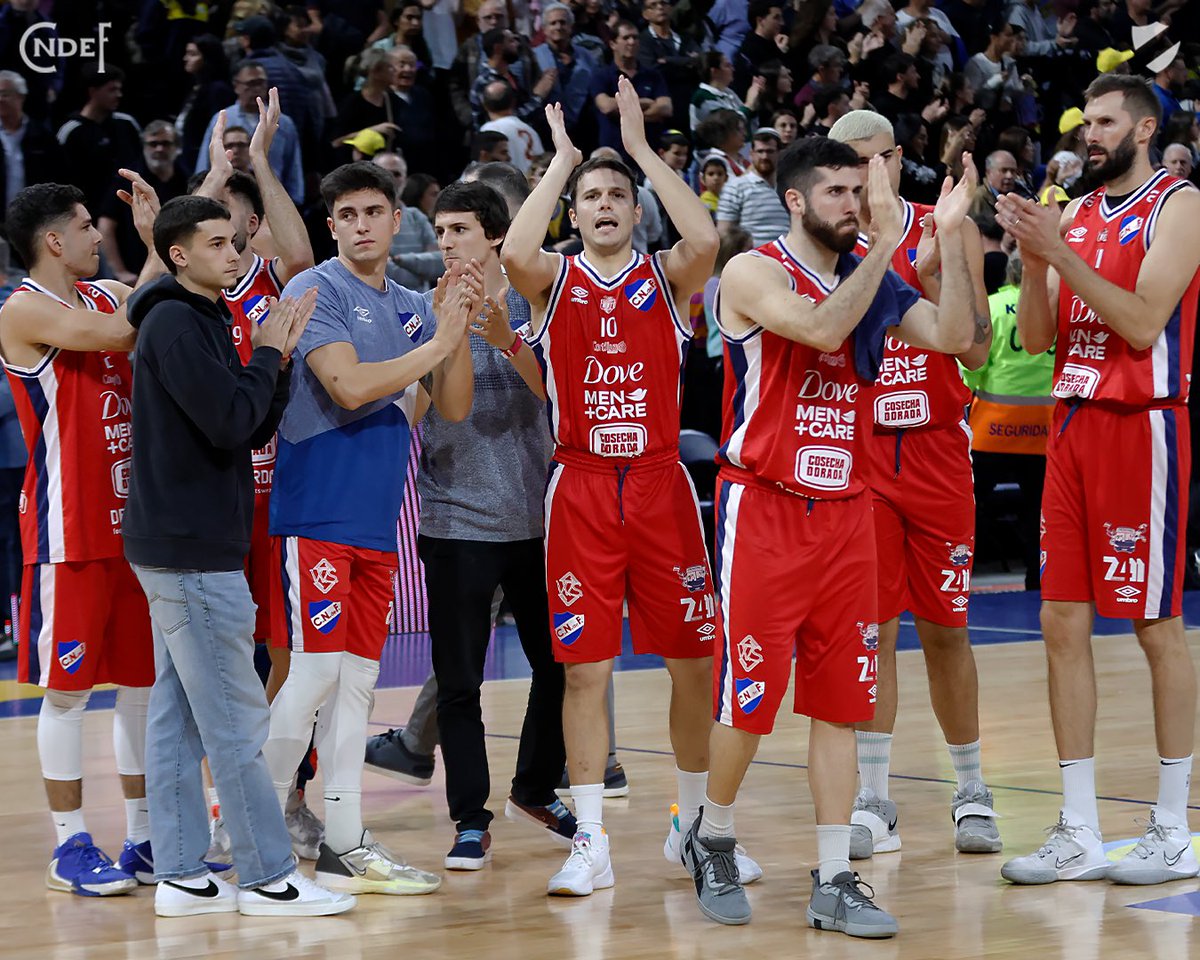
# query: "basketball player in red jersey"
622, 521
804, 323
83, 620
1117, 282
919, 472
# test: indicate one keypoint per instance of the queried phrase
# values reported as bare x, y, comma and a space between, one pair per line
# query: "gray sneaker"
714, 870
304, 827
975, 829
872, 826
842, 905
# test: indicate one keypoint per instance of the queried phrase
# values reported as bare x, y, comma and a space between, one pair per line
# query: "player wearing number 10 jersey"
1118, 287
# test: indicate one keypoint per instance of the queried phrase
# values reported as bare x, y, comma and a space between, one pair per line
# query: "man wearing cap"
365, 144
1109, 60
751, 200
250, 83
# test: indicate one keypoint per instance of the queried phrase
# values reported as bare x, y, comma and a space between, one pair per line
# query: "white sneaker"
372, 868
748, 869
873, 826
1072, 851
1164, 853
293, 896
189, 898
586, 869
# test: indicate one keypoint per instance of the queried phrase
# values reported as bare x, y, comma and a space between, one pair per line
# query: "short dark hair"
93, 77
505, 179
711, 60
600, 163
1137, 96
486, 140
415, 187
178, 221
480, 199
491, 39
799, 162
674, 138
759, 9
360, 175
627, 24
498, 96
895, 65
36, 209
239, 183
718, 127
823, 99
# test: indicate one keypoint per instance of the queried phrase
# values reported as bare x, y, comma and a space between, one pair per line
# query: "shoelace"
724, 868
469, 836
852, 890
875, 806
977, 795
1153, 829
94, 859
581, 848
1060, 831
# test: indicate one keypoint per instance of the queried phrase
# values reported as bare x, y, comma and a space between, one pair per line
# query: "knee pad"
60, 734
129, 730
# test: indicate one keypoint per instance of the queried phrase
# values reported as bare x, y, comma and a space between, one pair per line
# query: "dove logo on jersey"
325, 614
257, 307
70, 654
749, 694
642, 294
411, 322
568, 627
1129, 229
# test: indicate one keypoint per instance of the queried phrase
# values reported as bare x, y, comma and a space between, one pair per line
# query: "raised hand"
563, 147
493, 323
1032, 225
633, 124
143, 203
953, 204
887, 226
929, 254
218, 158
304, 311
268, 124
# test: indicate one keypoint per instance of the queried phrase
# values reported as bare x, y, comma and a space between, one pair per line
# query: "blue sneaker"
80, 867
137, 860
471, 850
554, 817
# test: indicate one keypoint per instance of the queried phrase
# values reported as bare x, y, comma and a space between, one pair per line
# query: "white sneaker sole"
360, 885
862, 931
116, 888
564, 888
1150, 876
196, 907
467, 863
1035, 876
295, 908
402, 777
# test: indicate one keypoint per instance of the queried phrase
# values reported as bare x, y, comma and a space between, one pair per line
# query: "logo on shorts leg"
706, 630
570, 590
324, 575
1125, 539
568, 627
870, 635
960, 553
325, 614
749, 694
749, 653
70, 654
694, 578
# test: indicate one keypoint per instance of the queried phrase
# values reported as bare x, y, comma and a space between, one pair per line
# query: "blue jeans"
207, 700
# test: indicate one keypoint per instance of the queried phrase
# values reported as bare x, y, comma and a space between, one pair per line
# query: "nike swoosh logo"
285, 895
1062, 863
1170, 763
208, 892
1171, 861
892, 826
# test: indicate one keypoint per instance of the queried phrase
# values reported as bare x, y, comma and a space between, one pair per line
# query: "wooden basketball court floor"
948, 904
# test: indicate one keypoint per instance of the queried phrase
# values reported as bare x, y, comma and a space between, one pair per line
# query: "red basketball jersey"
75, 414
1091, 362
792, 414
247, 302
611, 352
915, 388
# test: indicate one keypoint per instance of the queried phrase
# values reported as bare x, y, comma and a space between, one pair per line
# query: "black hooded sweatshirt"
197, 414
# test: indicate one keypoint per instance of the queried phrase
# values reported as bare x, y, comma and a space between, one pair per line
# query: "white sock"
874, 760
341, 734
67, 823
967, 764
1079, 791
716, 821
1174, 781
589, 806
691, 796
311, 679
129, 730
833, 850
137, 820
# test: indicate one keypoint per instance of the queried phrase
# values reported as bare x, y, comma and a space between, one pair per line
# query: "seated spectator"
1000, 176
502, 50
249, 84
786, 124
765, 41
499, 105
1019, 142
98, 140
676, 57
723, 135
828, 66
675, 150
751, 201
416, 261
714, 91
205, 62
714, 174
649, 83
572, 58
30, 152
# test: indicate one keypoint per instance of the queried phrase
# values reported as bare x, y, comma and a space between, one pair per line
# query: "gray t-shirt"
483, 478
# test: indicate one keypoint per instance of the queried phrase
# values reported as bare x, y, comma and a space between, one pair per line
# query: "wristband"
512, 351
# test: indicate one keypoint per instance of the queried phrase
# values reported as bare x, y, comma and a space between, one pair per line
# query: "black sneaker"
387, 754
615, 782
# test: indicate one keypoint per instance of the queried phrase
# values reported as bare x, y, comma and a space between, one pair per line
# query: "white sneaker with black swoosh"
293, 896
1164, 853
1072, 851
206, 893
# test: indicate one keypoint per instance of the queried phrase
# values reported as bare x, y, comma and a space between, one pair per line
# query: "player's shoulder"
325, 276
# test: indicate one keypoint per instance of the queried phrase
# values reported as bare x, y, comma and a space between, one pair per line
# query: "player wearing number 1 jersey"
804, 323
1119, 287
919, 472
622, 521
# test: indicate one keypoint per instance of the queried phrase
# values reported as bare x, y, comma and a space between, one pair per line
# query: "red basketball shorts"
264, 578
794, 577
1114, 510
336, 597
626, 531
82, 624
924, 503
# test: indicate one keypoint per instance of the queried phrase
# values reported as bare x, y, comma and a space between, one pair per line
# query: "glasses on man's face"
160, 144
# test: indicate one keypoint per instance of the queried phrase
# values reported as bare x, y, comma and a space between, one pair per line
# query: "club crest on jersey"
608, 304
569, 588
960, 553
870, 635
1129, 229
324, 575
568, 627
749, 694
70, 654
1124, 539
912, 256
642, 294
579, 295
695, 577
749, 653
257, 308
324, 614
412, 325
